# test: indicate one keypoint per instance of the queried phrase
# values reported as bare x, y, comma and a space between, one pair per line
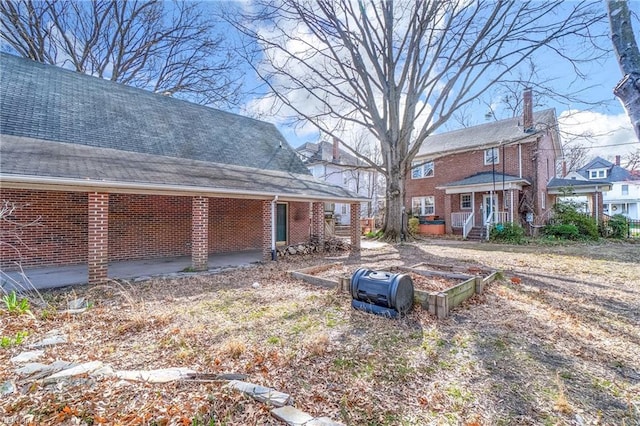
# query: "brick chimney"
527, 110
336, 149
617, 160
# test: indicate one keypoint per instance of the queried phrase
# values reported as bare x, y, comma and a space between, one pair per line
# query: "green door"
281, 223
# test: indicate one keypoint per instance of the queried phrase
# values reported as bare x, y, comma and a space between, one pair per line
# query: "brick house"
329, 163
492, 173
117, 173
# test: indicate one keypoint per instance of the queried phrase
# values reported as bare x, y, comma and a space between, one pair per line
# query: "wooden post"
442, 305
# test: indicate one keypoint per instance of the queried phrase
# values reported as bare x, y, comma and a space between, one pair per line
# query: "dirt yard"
559, 344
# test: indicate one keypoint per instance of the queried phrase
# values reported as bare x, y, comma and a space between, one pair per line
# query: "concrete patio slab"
63, 276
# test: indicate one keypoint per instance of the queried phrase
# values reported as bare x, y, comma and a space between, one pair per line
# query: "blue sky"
606, 122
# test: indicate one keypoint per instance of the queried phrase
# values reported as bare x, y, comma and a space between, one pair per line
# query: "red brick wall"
98, 236
299, 222
140, 226
234, 225
148, 226
538, 166
60, 237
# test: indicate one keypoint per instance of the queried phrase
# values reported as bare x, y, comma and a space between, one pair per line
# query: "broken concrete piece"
87, 367
261, 393
291, 415
155, 376
52, 368
49, 341
7, 388
104, 371
323, 421
27, 356
31, 368
78, 303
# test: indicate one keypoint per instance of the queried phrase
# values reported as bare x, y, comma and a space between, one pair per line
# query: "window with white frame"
597, 173
491, 156
420, 169
543, 200
423, 206
506, 200
465, 202
625, 189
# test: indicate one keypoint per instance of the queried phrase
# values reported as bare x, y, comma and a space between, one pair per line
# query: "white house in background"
326, 161
624, 196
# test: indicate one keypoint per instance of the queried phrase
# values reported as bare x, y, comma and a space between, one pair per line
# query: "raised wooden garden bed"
330, 275
435, 291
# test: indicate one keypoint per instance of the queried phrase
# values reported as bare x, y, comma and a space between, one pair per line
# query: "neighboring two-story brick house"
491, 173
111, 173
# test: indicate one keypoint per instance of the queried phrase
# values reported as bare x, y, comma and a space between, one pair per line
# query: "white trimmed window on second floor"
625, 189
423, 206
491, 156
597, 173
422, 169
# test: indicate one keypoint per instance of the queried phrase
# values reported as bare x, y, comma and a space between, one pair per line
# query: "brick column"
199, 233
266, 229
98, 236
317, 224
355, 226
448, 229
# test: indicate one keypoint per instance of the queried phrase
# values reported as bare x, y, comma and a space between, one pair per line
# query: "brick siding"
299, 222
140, 226
59, 237
98, 236
199, 232
538, 166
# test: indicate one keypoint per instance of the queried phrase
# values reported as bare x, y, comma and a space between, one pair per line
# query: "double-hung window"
423, 206
465, 202
421, 169
491, 156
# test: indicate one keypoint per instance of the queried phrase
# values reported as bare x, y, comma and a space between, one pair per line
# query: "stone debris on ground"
61, 371
27, 356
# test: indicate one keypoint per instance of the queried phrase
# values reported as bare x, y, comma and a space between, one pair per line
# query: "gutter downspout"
520, 161
273, 228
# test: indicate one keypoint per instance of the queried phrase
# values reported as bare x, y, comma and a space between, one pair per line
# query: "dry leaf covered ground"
562, 346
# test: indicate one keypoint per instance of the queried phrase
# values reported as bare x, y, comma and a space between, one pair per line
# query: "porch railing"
459, 219
468, 225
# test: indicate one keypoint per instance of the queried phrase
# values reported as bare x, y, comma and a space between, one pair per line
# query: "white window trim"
462, 207
423, 205
622, 189
496, 155
422, 165
595, 173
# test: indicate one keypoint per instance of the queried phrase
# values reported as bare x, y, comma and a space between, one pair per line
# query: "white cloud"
605, 135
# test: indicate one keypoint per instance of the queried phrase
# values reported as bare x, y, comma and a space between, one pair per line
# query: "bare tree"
400, 69
632, 160
168, 48
575, 155
626, 48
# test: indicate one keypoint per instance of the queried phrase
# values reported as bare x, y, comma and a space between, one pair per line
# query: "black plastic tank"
381, 293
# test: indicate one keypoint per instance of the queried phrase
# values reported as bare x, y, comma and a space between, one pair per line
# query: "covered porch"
481, 200
591, 189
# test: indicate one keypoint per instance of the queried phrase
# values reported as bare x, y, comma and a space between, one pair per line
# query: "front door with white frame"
489, 204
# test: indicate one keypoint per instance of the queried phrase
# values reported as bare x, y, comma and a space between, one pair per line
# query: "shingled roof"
53, 104
62, 129
615, 172
487, 135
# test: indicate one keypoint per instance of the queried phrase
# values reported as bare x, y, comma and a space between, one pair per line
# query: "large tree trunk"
624, 43
395, 228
